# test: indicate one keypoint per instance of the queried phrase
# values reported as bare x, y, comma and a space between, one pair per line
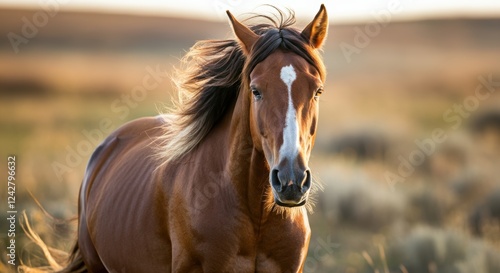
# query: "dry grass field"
408, 147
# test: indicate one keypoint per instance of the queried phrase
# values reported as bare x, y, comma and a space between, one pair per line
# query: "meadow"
407, 151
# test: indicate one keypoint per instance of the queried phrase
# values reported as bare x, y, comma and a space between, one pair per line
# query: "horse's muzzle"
290, 186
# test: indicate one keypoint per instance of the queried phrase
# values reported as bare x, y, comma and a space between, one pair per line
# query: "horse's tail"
75, 261
57, 260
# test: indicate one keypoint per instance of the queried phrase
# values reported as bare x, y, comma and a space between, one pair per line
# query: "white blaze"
290, 146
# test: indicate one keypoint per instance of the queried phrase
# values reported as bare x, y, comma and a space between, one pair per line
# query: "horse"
222, 183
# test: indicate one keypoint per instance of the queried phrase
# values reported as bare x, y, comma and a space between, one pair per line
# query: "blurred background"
408, 147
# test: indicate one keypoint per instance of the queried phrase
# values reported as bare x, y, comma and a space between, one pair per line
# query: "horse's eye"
256, 94
318, 93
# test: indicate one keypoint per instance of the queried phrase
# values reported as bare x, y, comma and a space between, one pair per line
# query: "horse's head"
284, 79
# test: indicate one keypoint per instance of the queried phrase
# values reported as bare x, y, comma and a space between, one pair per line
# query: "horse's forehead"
273, 64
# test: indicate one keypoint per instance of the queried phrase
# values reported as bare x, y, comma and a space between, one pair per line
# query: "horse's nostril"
275, 181
306, 183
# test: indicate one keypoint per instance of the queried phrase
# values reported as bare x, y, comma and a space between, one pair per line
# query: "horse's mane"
212, 73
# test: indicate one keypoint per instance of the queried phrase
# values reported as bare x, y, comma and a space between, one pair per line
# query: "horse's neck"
246, 166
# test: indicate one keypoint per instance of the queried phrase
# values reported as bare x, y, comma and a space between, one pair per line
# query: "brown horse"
222, 183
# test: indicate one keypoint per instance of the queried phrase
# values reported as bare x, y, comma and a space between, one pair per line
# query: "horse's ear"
245, 36
316, 31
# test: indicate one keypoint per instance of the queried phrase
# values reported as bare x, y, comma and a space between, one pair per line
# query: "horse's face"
284, 115
284, 89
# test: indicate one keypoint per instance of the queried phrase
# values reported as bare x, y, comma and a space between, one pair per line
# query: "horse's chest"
238, 245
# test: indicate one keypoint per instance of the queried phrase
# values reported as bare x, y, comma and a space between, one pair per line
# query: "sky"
338, 10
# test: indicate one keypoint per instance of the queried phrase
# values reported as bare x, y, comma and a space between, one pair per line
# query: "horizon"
339, 12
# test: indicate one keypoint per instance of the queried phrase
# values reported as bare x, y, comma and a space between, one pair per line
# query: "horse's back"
120, 199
